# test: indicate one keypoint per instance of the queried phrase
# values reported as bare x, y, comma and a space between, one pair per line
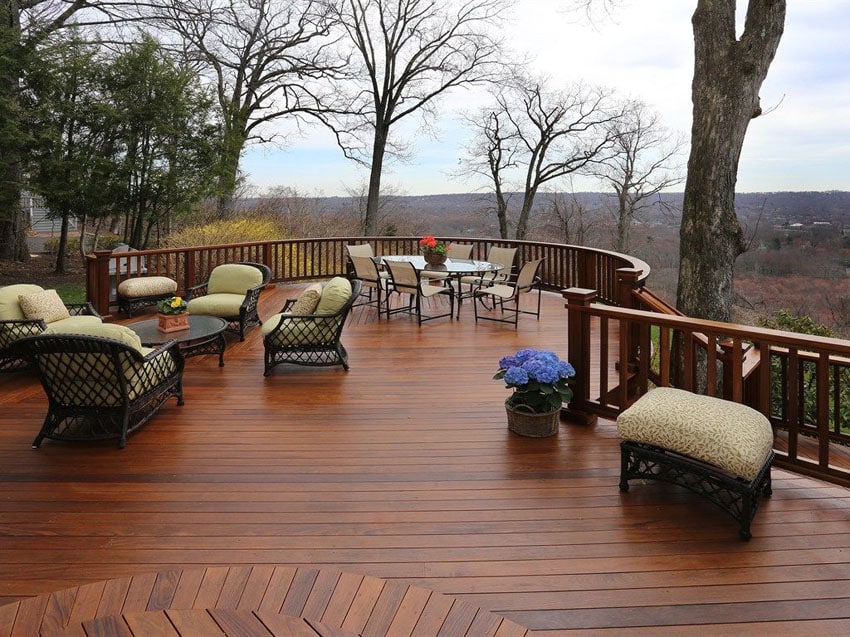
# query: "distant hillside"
797, 206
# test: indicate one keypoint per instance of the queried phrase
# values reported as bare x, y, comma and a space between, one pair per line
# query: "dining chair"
510, 292
460, 250
455, 251
405, 279
497, 254
360, 250
371, 279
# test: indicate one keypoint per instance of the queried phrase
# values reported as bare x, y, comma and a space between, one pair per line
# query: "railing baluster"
823, 409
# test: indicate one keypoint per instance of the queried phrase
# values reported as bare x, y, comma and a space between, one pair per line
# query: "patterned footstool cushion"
146, 290
734, 437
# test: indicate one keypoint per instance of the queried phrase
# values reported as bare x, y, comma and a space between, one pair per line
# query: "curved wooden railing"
800, 382
303, 259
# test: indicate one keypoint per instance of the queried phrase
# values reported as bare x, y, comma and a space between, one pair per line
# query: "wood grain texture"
392, 497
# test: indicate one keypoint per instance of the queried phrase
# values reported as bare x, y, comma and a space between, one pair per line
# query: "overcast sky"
645, 52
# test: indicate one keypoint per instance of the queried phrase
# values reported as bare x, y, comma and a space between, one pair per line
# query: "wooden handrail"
797, 380
303, 259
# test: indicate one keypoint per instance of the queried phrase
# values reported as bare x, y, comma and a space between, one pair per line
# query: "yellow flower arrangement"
172, 305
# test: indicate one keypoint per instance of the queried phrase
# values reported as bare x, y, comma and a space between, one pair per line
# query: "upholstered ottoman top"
136, 287
731, 436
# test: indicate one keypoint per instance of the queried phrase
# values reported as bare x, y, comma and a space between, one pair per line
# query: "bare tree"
728, 73
492, 154
389, 209
549, 134
643, 162
569, 218
265, 58
411, 52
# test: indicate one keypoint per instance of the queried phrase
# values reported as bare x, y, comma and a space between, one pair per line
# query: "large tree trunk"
502, 212
62, 248
13, 222
379, 147
525, 212
228, 166
728, 74
624, 223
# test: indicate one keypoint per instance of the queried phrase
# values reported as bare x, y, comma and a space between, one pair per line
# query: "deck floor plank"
392, 497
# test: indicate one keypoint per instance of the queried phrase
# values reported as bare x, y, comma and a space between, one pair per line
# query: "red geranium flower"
430, 244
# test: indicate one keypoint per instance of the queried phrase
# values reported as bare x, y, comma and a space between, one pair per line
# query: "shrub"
51, 245
838, 379
252, 227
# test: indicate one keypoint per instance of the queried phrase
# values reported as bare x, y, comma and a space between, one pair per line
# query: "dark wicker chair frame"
89, 396
738, 497
248, 316
128, 305
12, 331
319, 335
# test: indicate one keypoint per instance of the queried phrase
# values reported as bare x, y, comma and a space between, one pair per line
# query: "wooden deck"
401, 471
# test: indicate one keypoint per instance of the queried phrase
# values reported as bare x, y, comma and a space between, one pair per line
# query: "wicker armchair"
14, 325
101, 387
231, 292
315, 338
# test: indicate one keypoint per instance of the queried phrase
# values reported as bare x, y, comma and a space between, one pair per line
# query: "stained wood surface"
260, 601
402, 471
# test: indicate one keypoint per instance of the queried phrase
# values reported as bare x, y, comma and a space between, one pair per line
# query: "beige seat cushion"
119, 333
334, 295
73, 323
10, 307
234, 278
223, 304
731, 436
308, 300
95, 374
146, 286
45, 305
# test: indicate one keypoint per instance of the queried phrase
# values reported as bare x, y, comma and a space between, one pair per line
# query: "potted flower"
540, 383
173, 314
434, 251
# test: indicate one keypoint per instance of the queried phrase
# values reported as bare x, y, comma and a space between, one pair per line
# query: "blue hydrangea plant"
539, 380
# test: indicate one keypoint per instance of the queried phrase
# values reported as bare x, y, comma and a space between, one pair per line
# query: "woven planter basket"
533, 425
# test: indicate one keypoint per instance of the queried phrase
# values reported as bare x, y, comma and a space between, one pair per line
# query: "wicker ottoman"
716, 448
139, 292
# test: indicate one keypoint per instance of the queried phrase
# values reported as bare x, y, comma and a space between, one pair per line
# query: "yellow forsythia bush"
238, 230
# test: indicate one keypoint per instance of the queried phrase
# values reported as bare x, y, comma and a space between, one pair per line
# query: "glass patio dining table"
452, 268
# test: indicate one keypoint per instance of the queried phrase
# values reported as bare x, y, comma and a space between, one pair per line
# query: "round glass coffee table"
204, 336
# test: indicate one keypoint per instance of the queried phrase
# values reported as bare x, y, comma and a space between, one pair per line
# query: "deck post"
578, 353
628, 280
97, 280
